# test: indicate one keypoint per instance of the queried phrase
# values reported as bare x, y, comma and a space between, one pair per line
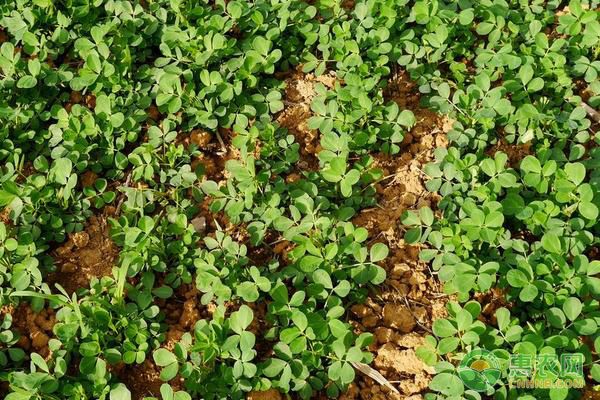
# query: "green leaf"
299, 319
61, 169
502, 318
241, 319
572, 308
443, 328
595, 372
321, 276
379, 251
588, 210
163, 357
528, 293
448, 345
310, 263
120, 392
531, 164
556, 317
516, 278
27, 82
447, 384
248, 291
575, 172
551, 243
426, 215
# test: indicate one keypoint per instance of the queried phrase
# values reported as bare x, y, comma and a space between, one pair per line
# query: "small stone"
199, 224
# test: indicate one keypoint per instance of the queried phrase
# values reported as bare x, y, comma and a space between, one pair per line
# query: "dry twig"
375, 375
593, 114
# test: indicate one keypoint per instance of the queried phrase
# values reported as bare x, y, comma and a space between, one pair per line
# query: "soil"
490, 302
5, 216
299, 92
401, 311
35, 329
142, 380
85, 255
182, 312
515, 152
589, 393
271, 394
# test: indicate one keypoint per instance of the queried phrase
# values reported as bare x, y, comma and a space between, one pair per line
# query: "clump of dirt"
5, 216
142, 380
182, 312
491, 301
403, 186
398, 317
401, 311
35, 329
590, 393
86, 254
88, 178
299, 93
515, 152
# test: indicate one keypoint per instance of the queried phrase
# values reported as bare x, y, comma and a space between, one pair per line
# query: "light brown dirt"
271, 394
398, 317
400, 313
86, 254
589, 393
490, 302
299, 92
5, 216
142, 380
182, 311
515, 152
35, 329
390, 357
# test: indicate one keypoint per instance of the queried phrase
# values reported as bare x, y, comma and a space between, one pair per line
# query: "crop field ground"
319, 199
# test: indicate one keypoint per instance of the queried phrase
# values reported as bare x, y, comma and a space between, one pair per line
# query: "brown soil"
88, 178
5, 216
35, 329
299, 92
86, 254
182, 312
271, 394
142, 380
490, 302
403, 186
213, 154
401, 312
515, 152
590, 393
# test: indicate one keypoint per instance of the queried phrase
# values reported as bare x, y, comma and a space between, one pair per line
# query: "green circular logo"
479, 370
